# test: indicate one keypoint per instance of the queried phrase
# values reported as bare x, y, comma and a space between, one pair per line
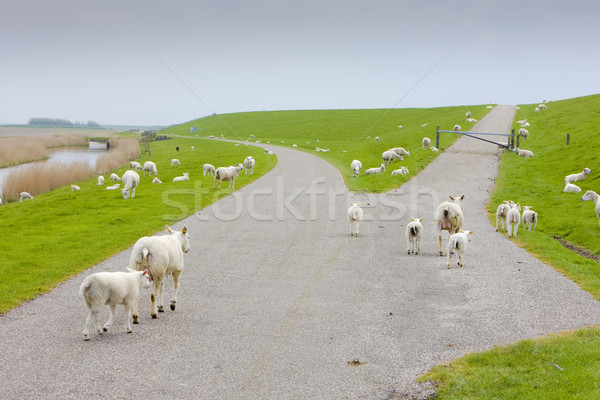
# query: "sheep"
468, 114
490, 107
434, 148
400, 151
24, 196
471, 120
413, 235
530, 218
373, 171
175, 161
389, 156
100, 180
426, 142
377, 138
525, 125
322, 150
449, 217
75, 187
130, 181
183, 178
571, 188
136, 166
524, 153
156, 180
208, 169
192, 147
227, 174
537, 109
115, 178
457, 128
294, 145
249, 165
542, 107
267, 150
425, 124
161, 256
521, 122
150, 167
270, 153
458, 241
113, 187
111, 289
355, 215
591, 195
524, 133
578, 177
400, 127
400, 171
356, 167
501, 213
513, 219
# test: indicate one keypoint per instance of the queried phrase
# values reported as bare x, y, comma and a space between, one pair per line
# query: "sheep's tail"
445, 213
84, 288
217, 175
413, 231
145, 257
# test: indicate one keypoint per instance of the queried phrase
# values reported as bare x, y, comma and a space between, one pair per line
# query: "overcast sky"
163, 62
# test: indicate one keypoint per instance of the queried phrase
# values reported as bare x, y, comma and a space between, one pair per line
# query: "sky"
163, 62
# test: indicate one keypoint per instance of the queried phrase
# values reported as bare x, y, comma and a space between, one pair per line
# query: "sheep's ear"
471, 232
462, 197
169, 229
145, 272
184, 230
129, 269
451, 198
420, 219
412, 219
359, 203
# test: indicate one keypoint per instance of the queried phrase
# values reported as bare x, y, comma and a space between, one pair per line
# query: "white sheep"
414, 229
267, 150
355, 216
100, 180
373, 171
425, 124
524, 133
502, 212
593, 196
513, 219
161, 256
434, 148
522, 121
537, 109
578, 177
136, 166
183, 178
458, 242
426, 142
249, 163
449, 217
227, 174
175, 161
457, 128
111, 289
468, 114
400, 151
270, 153
400, 171
130, 181
400, 127
490, 107
192, 147
525, 125
524, 153
356, 167
156, 180
389, 156
24, 196
75, 187
542, 107
150, 167
571, 188
115, 178
530, 218
471, 120
377, 138
294, 145
113, 187
321, 150
208, 169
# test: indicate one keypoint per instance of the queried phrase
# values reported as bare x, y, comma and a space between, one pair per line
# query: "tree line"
61, 122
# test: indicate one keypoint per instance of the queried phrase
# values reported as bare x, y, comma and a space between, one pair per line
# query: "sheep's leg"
448, 258
128, 308
135, 311
508, 229
157, 284
534, 224
516, 227
91, 319
176, 275
440, 238
417, 244
460, 258
408, 244
161, 308
113, 312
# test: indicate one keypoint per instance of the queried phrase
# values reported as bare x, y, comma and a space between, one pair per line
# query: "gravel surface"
277, 301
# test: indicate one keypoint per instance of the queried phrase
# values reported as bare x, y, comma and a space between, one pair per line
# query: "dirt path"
277, 301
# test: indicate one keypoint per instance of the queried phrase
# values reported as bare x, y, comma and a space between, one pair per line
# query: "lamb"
502, 212
156, 180
591, 195
457, 128
521, 122
525, 125
524, 133
578, 177
115, 178
75, 187
458, 242
434, 148
208, 169
389, 156
373, 171
355, 215
111, 289
227, 174
571, 188
513, 219
449, 217
400, 151
113, 187
249, 165
24, 196
321, 150
426, 142
100, 180
130, 181
136, 166
183, 178
530, 218
468, 114
413, 235
150, 167
175, 161
542, 107
377, 138
356, 167
192, 147
400, 171
267, 150
524, 153
161, 256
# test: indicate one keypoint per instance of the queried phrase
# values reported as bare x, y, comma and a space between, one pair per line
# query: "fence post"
568, 138
437, 137
512, 139
518, 140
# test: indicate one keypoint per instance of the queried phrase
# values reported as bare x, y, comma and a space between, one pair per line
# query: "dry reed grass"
19, 150
124, 150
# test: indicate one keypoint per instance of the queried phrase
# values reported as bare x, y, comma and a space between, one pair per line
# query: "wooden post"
437, 138
568, 138
512, 139
518, 140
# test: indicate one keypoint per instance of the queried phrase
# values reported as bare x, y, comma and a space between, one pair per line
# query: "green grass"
61, 233
350, 130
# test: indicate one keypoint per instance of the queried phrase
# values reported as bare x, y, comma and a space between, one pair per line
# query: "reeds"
124, 150
20, 150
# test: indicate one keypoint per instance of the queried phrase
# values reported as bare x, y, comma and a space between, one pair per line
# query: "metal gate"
509, 145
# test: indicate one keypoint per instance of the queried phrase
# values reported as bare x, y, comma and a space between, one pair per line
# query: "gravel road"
277, 301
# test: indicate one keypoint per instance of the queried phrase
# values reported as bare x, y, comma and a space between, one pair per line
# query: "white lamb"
400, 151
524, 133
136, 166
593, 196
426, 142
524, 153
249, 163
521, 122
356, 167
130, 181
192, 147
468, 114
175, 161
183, 178
100, 180
208, 169
389, 156
113, 187
457, 128
75, 187
161, 256
459, 242
321, 150
227, 174
542, 107
377, 138
373, 171
434, 148
502, 212
530, 218
150, 168
355, 216
400, 171
156, 180
24, 196
414, 229
111, 289
513, 219
571, 188
115, 178
578, 177
449, 217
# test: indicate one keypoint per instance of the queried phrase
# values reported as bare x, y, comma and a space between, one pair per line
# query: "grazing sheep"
356, 167
111, 289
377, 138
449, 217
355, 215
75, 187
267, 150
113, 187
192, 147
457, 128
24, 196
458, 241
513, 219
571, 188
593, 196
530, 218
502, 212
373, 171
400, 151
434, 148
426, 142
150, 167
413, 235
161, 256
537, 109
175, 161
389, 156
227, 174
578, 177
156, 180
468, 114
524, 153
524, 133
130, 181
100, 180
208, 169
542, 107
400, 171
183, 178
249, 165
115, 178
136, 166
